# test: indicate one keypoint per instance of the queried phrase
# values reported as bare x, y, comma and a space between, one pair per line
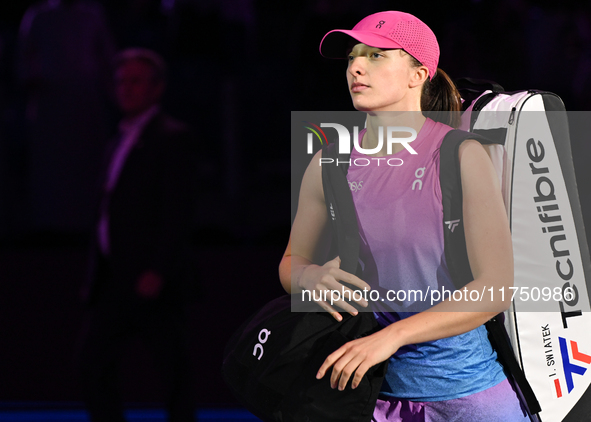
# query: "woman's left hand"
357, 357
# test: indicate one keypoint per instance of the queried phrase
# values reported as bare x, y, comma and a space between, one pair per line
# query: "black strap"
477, 85
471, 89
497, 135
457, 257
450, 181
341, 209
499, 339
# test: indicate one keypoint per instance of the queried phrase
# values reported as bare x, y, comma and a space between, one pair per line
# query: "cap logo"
380, 23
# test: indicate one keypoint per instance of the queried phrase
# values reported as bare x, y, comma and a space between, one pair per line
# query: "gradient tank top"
402, 248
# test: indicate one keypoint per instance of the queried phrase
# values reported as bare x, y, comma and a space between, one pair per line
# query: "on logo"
419, 173
262, 341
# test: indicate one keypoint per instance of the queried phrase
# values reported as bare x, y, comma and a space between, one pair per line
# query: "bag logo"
569, 367
332, 215
262, 340
452, 224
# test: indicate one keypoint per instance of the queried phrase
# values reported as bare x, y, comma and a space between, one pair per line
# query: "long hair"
440, 99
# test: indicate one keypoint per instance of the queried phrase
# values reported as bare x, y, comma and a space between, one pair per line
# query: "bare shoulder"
471, 149
309, 230
475, 158
312, 181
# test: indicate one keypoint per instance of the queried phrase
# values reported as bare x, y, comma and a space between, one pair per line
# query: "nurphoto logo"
389, 135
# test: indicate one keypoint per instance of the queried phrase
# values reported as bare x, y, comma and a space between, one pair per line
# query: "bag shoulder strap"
450, 180
470, 89
456, 254
477, 85
341, 209
500, 342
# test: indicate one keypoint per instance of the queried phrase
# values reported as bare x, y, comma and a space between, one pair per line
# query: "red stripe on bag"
578, 355
558, 389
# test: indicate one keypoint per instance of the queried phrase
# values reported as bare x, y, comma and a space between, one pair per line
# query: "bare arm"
309, 238
488, 241
303, 265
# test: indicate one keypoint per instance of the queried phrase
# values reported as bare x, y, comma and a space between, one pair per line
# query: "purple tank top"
402, 248
400, 217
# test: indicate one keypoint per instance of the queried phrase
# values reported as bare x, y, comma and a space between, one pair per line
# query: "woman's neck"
404, 119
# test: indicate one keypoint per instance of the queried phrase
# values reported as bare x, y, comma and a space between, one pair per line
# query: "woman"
441, 365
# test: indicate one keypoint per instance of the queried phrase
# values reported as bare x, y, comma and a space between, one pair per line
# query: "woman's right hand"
309, 243
324, 283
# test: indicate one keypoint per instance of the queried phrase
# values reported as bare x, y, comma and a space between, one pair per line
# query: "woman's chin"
361, 107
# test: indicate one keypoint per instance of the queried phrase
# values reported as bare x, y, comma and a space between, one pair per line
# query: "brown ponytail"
440, 99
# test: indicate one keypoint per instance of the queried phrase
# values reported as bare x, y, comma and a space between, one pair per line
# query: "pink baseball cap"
387, 30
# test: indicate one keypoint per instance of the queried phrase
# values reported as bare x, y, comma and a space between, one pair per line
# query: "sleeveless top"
398, 204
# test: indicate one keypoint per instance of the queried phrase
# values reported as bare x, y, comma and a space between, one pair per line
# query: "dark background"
237, 69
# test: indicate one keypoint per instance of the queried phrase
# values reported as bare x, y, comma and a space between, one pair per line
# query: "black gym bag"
272, 360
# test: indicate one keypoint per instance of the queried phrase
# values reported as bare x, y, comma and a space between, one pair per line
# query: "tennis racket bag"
549, 320
272, 360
